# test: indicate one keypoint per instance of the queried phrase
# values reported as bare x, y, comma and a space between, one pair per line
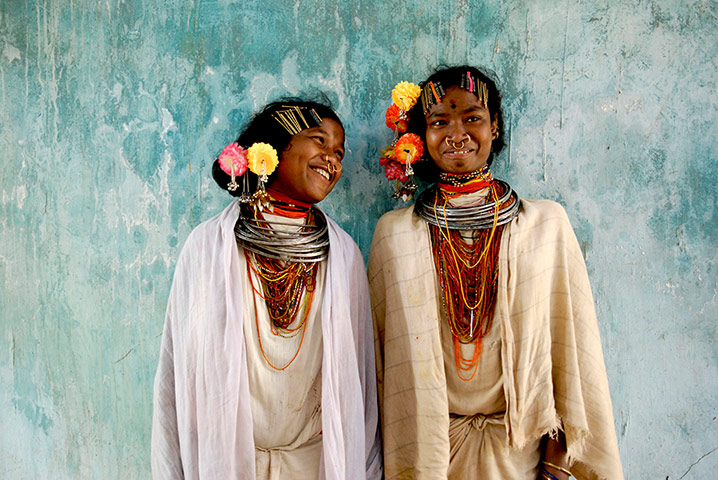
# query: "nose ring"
331, 168
454, 145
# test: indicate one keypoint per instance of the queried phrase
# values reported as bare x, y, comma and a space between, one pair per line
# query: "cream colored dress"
477, 433
286, 404
478, 442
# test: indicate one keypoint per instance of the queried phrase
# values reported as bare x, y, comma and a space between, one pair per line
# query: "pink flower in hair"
233, 156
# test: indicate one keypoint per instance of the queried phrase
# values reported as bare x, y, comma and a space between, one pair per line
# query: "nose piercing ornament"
331, 168
454, 145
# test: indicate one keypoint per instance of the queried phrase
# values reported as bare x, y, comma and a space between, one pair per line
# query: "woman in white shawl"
266, 368
488, 353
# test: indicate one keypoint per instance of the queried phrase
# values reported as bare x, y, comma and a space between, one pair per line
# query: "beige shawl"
554, 375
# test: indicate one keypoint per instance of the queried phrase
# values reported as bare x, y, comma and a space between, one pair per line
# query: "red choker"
452, 185
285, 206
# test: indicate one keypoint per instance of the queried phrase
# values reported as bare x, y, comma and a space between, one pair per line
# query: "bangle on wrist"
557, 467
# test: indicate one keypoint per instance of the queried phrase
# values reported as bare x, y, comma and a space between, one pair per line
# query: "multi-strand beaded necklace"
465, 243
286, 264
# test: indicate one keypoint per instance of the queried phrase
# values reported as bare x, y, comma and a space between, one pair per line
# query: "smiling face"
459, 132
311, 165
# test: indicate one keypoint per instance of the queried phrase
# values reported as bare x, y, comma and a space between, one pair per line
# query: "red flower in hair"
393, 170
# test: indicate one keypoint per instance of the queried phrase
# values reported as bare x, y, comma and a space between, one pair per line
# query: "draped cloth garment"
202, 419
552, 363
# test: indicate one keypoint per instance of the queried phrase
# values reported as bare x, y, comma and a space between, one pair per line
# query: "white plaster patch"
209, 71
290, 74
11, 53
260, 88
116, 92
607, 107
168, 122
21, 193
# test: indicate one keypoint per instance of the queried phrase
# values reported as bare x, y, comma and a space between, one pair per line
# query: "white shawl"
202, 423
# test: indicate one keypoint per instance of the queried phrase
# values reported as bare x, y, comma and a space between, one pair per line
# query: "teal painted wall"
112, 112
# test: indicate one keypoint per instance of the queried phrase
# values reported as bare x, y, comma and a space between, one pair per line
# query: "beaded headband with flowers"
407, 149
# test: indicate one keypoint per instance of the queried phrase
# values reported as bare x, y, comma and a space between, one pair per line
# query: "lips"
458, 152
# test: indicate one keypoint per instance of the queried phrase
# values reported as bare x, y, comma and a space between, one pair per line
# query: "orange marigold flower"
394, 120
409, 148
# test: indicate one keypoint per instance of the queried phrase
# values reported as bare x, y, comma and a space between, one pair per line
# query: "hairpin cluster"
293, 120
433, 92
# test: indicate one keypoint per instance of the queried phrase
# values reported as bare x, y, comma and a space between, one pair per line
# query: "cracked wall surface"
112, 112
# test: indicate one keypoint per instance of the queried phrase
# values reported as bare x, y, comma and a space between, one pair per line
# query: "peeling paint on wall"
111, 114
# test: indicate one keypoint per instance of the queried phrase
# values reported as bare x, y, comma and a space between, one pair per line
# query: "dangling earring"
233, 162
245, 198
261, 160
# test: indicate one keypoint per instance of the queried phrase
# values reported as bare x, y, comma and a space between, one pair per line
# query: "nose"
457, 132
333, 163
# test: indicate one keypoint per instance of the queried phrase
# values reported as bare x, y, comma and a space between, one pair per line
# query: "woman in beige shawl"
489, 357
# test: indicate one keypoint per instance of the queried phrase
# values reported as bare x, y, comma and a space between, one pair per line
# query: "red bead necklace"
287, 288
468, 276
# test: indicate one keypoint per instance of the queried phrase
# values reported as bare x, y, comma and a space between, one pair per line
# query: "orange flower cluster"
409, 148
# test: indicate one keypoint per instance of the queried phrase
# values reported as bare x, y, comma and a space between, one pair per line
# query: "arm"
555, 457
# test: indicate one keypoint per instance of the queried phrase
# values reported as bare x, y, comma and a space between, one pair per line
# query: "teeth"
321, 172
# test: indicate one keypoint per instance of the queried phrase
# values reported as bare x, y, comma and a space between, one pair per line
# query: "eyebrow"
478, 108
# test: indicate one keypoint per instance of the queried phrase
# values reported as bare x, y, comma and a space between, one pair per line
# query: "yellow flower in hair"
262, 159
405, 95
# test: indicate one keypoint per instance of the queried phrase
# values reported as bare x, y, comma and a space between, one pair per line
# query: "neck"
456, 184
285, 206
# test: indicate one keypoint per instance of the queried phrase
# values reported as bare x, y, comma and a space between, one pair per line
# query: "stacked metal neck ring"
308, 245
477, 217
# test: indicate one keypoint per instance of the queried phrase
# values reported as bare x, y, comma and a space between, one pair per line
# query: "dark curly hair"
263, 127
448, 76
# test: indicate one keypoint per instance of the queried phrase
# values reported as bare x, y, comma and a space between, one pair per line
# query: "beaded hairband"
433, 92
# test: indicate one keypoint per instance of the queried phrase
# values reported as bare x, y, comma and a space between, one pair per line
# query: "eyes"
442, 122
322, 142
